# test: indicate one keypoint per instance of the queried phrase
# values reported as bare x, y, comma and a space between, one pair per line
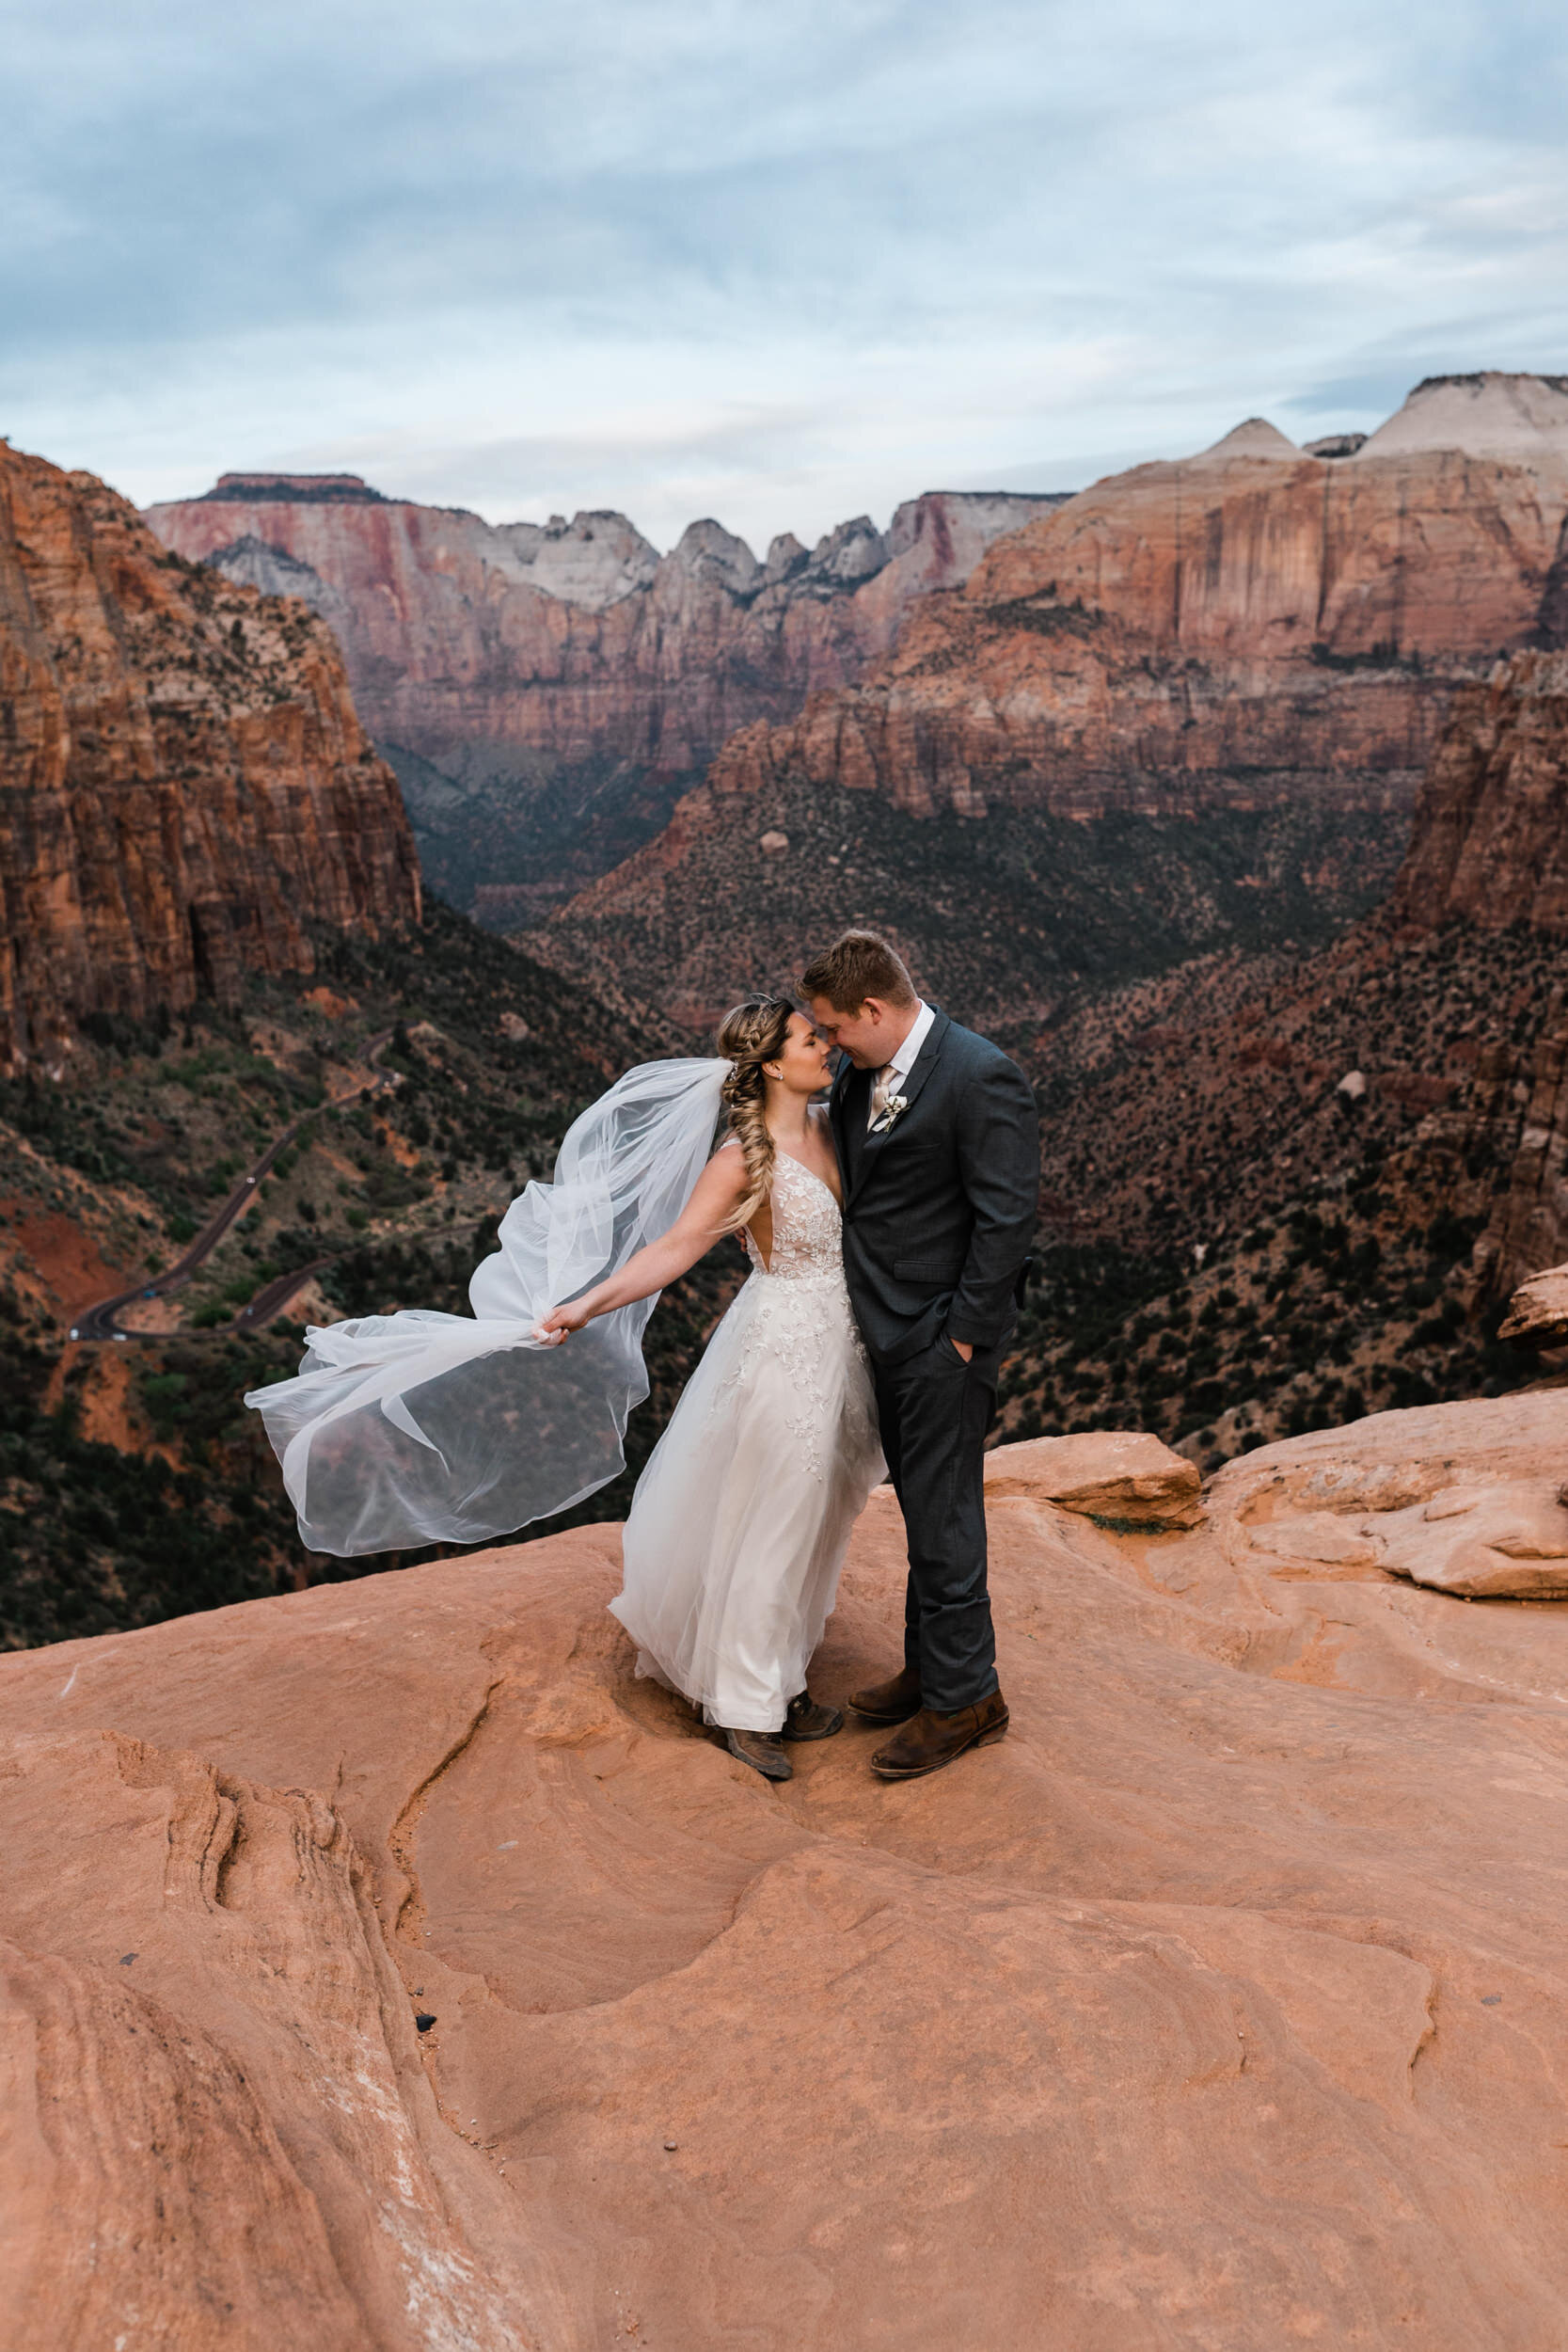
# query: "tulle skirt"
739, 1523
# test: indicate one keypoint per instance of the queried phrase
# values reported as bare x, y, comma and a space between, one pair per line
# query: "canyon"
1299, 1145
1448, 1004
1281, 1188
1240, 622
1491, 841
1258, 647
387, 1966
186, 786
547, 690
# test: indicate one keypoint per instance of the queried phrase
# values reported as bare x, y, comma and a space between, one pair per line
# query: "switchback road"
101, 1320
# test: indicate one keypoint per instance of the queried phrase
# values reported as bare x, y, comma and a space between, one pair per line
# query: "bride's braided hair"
748, 1035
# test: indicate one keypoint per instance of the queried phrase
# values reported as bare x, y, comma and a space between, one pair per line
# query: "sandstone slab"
1115, 1474
1538, 1310
1484, 1541
1321, 1538
1221, 2005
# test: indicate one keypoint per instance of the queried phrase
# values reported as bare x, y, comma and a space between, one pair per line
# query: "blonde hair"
748, 1035
858, 965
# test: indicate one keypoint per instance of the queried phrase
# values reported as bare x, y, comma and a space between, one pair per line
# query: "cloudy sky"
778, 263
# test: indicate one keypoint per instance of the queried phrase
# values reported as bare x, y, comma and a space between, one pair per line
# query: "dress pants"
936, 1412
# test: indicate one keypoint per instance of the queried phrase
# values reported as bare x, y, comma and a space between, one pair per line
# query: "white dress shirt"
899, 1064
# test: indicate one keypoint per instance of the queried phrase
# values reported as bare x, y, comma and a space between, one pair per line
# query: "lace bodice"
806, 1226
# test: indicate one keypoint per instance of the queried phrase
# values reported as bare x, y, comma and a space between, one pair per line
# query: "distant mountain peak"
1254, 437
1491, 413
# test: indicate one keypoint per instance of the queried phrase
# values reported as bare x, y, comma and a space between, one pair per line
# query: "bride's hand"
552, 1328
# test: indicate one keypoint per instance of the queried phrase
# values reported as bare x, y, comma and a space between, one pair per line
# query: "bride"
416, 1426
739, 1523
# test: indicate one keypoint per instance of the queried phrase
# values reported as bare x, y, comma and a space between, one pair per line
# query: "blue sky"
778, 263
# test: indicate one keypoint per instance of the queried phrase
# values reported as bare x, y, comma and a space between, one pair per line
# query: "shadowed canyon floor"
1222, 2005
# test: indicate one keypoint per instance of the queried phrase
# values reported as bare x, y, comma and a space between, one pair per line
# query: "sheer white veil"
421, 1427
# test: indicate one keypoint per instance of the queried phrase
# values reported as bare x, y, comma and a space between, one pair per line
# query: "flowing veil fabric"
420, 1427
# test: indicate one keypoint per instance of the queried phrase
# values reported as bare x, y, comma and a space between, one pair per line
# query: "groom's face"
867, 1035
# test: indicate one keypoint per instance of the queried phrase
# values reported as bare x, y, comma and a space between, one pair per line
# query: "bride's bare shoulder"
728, 1166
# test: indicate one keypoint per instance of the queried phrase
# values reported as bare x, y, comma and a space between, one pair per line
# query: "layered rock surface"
1247, 619
1222, 2004
1538, 1312
553, 679
1253, 628
183, 782
1491, 841
1437, 1030
1244, 617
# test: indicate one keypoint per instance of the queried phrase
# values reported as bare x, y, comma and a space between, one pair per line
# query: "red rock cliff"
472, 643
183, 782
1491, 841
1250, 623
1491, 848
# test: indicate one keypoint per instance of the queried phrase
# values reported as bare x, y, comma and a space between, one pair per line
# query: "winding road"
100, 1320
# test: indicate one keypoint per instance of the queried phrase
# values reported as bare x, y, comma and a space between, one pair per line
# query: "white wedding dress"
740, 1520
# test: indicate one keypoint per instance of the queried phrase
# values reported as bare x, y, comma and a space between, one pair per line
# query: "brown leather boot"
762, 1750
933, 1741
892, 1702
805, 1720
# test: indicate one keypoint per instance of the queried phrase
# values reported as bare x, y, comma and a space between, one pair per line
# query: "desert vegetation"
133, 1485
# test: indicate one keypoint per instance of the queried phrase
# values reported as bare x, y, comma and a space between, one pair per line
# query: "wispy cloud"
782, 263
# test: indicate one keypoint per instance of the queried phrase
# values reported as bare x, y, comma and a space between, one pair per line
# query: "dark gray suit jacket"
939, 1211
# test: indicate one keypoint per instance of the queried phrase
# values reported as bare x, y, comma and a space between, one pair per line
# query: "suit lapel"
925, 1062
849, 1131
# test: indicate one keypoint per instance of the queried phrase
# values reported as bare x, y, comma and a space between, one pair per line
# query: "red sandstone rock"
186, 784
1492, 823
1250, 628
1528, 1225
1484, 1541
1539, 1310
1223, 2004
1239, 625
1126, 1474
515, 650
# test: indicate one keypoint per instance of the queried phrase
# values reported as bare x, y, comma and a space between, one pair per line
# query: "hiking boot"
930, 1740
762, 1750
805, 1720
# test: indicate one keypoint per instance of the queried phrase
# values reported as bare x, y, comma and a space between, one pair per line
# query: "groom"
939, 1143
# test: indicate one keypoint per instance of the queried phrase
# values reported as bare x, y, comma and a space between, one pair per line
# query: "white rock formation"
1255, 437
1523, 418
594, 560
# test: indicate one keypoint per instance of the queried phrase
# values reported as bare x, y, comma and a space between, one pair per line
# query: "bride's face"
802, 1065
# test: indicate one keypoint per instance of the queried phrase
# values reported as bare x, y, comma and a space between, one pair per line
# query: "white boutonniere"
893, 1108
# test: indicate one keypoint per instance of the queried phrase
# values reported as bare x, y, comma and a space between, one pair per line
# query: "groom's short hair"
856, 966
